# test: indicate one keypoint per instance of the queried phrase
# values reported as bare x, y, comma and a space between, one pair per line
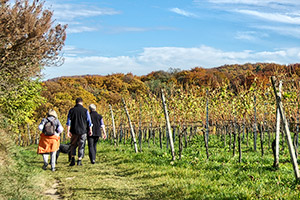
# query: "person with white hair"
98, 124
49, 138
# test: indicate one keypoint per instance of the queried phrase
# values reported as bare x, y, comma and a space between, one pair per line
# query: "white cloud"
254, 2
68, 12
182, 12
276, 17
81, 29
162, 58
283, 30
137, 29
246, 35
74, 15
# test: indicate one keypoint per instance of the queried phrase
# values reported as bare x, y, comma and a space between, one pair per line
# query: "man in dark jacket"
78, 126
98, 124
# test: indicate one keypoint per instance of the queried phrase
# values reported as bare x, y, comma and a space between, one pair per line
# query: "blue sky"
141, 36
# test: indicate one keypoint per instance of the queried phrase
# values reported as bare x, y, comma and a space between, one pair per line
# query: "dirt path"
52, 192
109, 178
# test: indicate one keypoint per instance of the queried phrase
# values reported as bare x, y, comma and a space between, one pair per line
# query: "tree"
28, 42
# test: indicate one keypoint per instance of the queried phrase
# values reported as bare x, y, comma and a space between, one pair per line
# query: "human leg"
81, 145
74, 144
95, 148
91, 149
45, 158
53, 160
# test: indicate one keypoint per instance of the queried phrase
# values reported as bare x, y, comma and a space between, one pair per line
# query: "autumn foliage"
231, 89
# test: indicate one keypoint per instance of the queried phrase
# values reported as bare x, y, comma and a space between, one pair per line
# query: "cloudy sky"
141, 36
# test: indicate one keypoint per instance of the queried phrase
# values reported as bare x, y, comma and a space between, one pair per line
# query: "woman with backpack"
49, 139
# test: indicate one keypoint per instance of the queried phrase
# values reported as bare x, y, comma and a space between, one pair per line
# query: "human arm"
89, 121
59, 128
69, 134
103, 128
41, 125
104, 132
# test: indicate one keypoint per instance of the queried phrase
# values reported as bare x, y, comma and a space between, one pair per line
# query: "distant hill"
60, 93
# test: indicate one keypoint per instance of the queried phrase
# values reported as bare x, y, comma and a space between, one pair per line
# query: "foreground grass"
119, 173
20, 179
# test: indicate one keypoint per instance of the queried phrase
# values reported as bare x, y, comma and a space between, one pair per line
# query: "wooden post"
247, 135
149, 134
180, 142
240, 145
261, 131
234, 136
206, 144
296, 137
225, 133
185, 138
254, 125
29, 135
113, 125
168, 124
140, 128
160, 137
230, 135
207, 117
277, 136
130, 126
287, 131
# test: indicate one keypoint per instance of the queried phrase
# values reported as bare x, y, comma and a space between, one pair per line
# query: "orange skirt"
48, 144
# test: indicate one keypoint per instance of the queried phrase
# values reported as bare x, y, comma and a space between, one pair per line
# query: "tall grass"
19, 180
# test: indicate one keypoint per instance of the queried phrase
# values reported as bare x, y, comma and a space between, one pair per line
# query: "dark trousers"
78, 141
92, 143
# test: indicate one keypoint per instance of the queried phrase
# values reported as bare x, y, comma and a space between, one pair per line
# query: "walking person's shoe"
79, 162
93, 161
45, 166
53, 169
72, 161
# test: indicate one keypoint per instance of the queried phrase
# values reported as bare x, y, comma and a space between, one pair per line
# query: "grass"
119, 173
20, 179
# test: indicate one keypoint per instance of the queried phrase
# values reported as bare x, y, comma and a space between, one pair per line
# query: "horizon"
140, 37
168, 71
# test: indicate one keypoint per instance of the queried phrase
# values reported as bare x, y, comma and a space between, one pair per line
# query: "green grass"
20, 179
119, 173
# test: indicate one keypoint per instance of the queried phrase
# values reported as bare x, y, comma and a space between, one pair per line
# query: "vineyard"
242, 135
138, 114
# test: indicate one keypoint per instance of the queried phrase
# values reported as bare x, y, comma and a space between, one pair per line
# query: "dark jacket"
80, 120
97, 122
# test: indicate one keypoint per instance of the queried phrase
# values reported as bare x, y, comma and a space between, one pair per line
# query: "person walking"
49, 139
78, 126
98, 124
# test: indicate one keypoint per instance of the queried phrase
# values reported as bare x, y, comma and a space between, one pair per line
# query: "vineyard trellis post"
169, 131
207, 116
277, 136
130, 126
296, 138
287, 131
240, 145
113, 125
255, 125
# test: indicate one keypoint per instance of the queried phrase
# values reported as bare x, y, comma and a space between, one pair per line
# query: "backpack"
49, 127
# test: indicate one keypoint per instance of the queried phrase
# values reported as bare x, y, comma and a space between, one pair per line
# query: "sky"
140, 36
